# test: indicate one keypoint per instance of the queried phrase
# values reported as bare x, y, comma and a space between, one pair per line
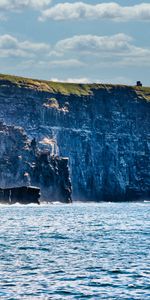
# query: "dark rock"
22, 164
105, 135
23, 195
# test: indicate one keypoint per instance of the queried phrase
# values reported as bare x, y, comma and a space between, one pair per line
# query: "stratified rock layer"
104, 130
22, 163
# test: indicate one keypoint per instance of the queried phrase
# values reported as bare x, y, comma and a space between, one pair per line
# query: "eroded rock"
104, 133
22, 163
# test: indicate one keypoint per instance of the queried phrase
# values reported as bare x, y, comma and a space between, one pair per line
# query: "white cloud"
9, 5
77, 52
10, 46
94, 43
103, 50
112, 11
115, 80
72, 80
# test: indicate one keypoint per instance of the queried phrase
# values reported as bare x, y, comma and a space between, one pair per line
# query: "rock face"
23, 195
22, 163
103, 130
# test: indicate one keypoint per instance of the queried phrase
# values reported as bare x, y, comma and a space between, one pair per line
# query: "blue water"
80, 251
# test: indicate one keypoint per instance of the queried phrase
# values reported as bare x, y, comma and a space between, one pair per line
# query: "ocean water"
79, 251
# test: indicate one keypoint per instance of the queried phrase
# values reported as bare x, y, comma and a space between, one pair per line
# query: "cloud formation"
10, 5
77, 52
72, 80
112, 11
10, 46
103, 49
94, 43
115, 80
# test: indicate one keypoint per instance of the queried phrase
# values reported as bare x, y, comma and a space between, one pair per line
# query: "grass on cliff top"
48, 86
54, 87
69, 88
143, 91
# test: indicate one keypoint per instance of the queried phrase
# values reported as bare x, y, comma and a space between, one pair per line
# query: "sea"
79, 251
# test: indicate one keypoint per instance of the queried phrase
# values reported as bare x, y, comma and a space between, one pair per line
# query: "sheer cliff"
102, 129
23, 164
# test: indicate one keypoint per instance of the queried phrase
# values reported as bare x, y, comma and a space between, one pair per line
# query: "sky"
76, 41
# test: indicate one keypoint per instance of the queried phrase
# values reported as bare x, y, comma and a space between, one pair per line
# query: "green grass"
49, 86
144, 92
55, 87
70, 88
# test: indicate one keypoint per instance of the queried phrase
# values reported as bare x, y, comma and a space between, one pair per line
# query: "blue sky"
80, 41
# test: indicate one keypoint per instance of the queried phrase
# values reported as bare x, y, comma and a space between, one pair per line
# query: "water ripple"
82, 251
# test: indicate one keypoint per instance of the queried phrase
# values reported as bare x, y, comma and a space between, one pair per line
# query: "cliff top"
67, 88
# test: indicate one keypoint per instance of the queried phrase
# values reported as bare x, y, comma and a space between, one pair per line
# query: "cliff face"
22, 163
104, 130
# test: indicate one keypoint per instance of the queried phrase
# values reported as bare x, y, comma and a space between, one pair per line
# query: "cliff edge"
102, 129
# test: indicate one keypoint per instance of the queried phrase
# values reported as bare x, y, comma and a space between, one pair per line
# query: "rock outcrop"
22, 195
102, 129
23, 164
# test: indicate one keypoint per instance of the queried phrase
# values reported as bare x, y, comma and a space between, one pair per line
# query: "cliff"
23, 164
102, 129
